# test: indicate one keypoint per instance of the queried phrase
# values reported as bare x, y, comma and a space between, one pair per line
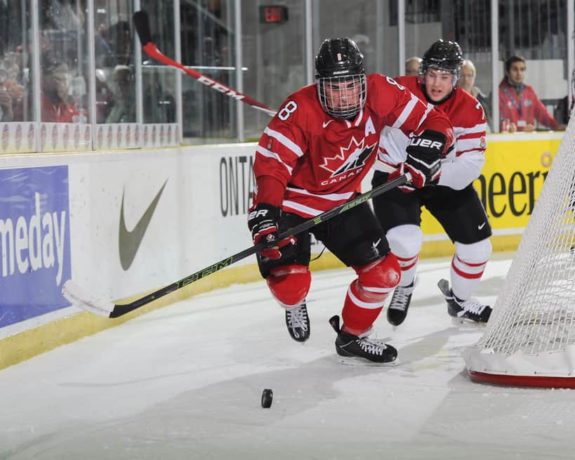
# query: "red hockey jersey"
462, 164
522, 108
307, 162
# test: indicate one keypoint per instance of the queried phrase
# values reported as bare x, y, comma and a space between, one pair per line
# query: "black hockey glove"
263, 223
423, 158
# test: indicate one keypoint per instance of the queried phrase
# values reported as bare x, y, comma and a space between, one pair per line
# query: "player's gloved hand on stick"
423, 158
400, 171
263, 223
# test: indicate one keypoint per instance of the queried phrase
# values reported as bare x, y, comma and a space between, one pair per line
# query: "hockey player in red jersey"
453, 200
313, 156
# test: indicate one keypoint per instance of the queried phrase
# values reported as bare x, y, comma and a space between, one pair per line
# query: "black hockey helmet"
443, 55
338, 57
340, 74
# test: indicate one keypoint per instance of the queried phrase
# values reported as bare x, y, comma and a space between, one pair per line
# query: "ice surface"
185, 382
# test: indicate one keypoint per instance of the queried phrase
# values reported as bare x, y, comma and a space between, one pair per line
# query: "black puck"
267, 398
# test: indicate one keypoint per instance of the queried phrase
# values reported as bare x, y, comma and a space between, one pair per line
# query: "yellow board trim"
30, 343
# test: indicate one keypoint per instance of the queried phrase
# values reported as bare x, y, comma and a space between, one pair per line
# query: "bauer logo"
34, 242
426, 143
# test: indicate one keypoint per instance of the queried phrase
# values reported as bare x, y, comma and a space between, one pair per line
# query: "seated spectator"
6, 112
123, 108
467, 82
57, 106
412, 65
519, 106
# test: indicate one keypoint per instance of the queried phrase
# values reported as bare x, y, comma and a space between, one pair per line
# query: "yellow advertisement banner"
512, 178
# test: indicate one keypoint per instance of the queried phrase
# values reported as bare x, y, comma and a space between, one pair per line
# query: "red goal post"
530, 337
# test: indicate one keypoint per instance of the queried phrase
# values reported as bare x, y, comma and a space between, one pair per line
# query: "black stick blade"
142, 25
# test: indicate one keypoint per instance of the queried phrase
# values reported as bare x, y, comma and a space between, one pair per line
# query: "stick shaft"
122, 309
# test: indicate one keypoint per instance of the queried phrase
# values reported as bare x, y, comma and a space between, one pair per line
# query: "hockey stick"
142, 25
82, 299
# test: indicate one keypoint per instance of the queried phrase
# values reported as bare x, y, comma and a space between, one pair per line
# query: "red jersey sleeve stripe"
462, 145
462, 131
428, 109
269, 154
462, 152
285, 141
406, 112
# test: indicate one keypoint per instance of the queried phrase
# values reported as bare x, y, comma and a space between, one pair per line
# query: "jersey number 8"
288, 109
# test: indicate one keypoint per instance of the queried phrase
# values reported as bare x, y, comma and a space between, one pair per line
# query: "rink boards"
122, 223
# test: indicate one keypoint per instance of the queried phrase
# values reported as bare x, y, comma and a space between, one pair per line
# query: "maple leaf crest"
350, 157
332, 164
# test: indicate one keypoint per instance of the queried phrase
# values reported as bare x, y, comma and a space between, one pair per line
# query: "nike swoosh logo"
325, 123
479, 227
129, 240
374, 245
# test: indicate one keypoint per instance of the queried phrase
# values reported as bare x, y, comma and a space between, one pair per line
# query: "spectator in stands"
467, 82
114, 45
519, 106
123, 108
6, 112
14, 83
61, 15
57, 106
412, 65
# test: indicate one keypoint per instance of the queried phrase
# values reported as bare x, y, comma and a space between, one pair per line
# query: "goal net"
530, 337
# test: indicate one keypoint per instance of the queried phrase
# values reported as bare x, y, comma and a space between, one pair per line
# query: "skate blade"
466, 322
353, 361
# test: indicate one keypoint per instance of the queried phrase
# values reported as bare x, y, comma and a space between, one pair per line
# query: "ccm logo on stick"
426, 143
221, 88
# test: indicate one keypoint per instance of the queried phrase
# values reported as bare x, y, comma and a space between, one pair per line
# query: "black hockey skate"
297, 322
352, 346
470, 310
397, 310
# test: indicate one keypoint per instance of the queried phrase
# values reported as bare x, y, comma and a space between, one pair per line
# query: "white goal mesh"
530, 337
